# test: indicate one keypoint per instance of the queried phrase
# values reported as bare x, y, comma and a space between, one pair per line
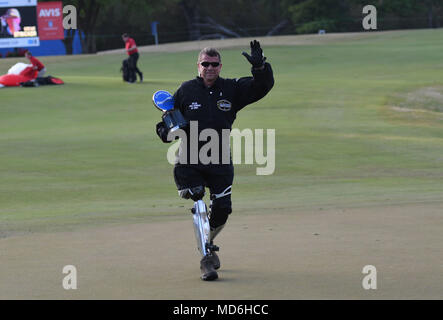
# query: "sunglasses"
206, 64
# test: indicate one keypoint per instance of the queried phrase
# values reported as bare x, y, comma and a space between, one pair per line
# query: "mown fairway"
358, 123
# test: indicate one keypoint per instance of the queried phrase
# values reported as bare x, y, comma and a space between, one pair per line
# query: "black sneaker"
141, 77
215, 260
207, 269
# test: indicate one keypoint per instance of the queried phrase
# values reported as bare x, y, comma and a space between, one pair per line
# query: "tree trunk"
84, 42
430, 16
192, 16
88, 24
68, 41
92, 44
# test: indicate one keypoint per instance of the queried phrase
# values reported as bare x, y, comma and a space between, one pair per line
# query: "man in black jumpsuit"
214, 102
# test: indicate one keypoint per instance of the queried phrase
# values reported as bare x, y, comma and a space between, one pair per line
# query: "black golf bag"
49, 80
128, 72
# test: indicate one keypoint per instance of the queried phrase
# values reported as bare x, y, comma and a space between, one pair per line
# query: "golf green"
357, 122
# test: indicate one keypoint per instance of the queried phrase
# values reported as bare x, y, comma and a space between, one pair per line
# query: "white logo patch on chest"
194, 106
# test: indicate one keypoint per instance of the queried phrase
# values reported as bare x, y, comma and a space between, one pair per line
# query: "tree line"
101, 22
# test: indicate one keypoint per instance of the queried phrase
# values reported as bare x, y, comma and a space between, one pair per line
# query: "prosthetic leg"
202, 229
204, 234
207, 249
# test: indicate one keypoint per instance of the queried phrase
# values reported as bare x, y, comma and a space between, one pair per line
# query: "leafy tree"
311, 15
101, 22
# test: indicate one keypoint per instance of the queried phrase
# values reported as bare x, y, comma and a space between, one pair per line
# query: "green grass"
87, 153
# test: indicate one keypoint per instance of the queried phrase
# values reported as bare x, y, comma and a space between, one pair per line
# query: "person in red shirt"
132, 51
36, 64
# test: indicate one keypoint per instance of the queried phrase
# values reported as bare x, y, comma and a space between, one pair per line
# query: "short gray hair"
212, 52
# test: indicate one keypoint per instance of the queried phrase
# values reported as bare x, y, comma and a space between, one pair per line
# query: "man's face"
209, 73
124, 39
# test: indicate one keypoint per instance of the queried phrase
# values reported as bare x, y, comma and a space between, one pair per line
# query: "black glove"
256, 58
162, 131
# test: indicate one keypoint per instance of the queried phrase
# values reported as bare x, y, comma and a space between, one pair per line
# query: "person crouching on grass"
36, 64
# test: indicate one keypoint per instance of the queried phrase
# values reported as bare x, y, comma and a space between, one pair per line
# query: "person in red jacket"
132, 51
36, 64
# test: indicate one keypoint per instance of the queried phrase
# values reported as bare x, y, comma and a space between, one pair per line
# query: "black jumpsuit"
215, 108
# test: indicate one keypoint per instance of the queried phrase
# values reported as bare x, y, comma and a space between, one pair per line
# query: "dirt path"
291, 40
292, 255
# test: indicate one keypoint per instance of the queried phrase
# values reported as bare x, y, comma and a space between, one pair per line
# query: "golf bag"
42, 81
128, 72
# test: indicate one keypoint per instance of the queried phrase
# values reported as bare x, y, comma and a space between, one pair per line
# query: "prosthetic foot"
207, 269
204, 245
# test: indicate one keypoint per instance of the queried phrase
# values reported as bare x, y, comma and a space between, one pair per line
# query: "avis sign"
51, 23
